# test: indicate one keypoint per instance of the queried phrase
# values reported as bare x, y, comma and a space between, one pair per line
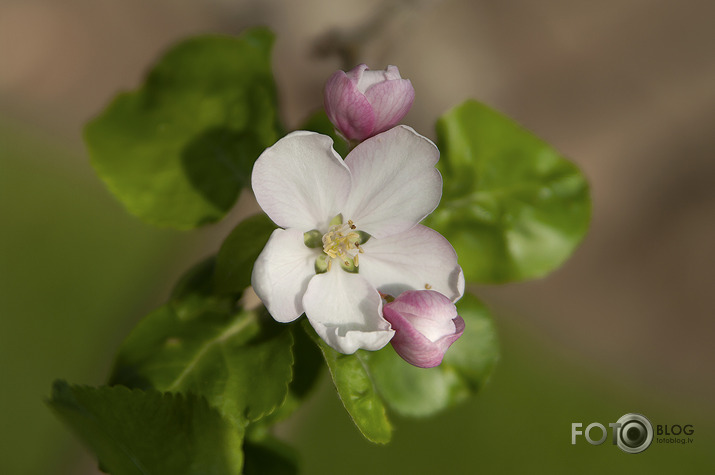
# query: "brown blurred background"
625, 88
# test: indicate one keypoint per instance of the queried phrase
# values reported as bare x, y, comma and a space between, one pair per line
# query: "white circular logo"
634, 434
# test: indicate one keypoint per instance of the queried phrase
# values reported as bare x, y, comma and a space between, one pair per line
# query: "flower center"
342, 241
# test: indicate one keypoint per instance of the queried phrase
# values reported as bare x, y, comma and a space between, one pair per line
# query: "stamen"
427, 286
342, 241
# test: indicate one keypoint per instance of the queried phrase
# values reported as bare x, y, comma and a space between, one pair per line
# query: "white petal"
417, 259
394, 182
346, 311
301, 182
367, 78
282, 272
392, 73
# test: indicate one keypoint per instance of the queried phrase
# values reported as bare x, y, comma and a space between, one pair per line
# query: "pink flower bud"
425, 323
362, 103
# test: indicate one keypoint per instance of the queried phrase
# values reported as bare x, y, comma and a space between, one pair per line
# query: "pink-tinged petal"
369, 78
426, 324
356, 73
395, 184
348, 108
300, 181
392, 73
430, 312
346, 311
391, 101
282, 272
420, 258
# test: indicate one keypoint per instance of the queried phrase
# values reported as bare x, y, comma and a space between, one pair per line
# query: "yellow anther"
340, 241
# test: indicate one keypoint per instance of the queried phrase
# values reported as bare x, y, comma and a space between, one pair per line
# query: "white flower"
350, 230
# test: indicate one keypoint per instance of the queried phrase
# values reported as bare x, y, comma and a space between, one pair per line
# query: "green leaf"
136, 432
239, 252
240, 361
475, 353
308, 364
413, 391
269, 457
177, 151
356, 390
319, 122
194, 293
197, 281
512, 207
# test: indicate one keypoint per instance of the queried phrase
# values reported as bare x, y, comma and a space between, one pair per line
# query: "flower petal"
355, 74
368, 78
392, 73
300, 181
394, 182
420, 258
282, 272
346, 311
391, 101
348, 108
414, 347
430, 313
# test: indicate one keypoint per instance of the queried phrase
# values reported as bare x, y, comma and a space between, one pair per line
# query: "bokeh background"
626, 88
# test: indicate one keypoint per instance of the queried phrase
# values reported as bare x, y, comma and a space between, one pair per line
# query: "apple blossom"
425, 323
350, 229
362, 103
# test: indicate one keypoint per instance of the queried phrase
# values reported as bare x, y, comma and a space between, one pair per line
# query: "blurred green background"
624, 88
